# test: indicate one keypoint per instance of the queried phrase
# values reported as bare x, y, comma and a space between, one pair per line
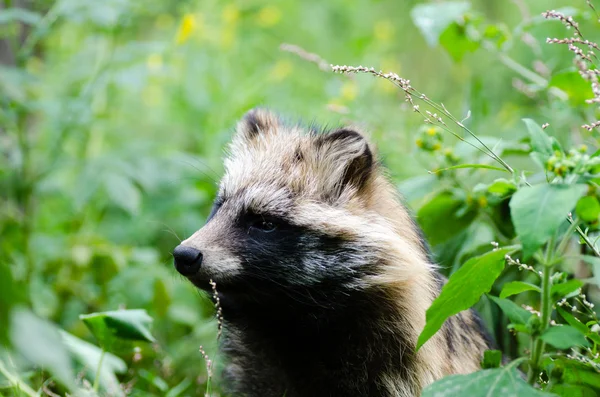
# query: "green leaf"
120, 324
418, 187
537, 212
578, 373
154, 379
179, 389
39, 342
502, 187
460, 166
559, 291
161, 299
540, 141
514, 312
88, 356
594, 337
496, 34
9, 296
588, 209
441, 218
573, 391
523, 328
571, 83
123, 193
516, 287
491, 359
433, 19
595, 262
569, 318
463, 290
564, 337
19, 15
500, 382
457, 41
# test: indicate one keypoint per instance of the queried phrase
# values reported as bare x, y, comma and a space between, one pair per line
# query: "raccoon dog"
322, 275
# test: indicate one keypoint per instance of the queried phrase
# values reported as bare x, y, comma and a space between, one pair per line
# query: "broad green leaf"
564, 337
588, 209
516, 287
418, 187
88, 357
463, 290
491, 359
537, 212
123, 193
433, 19
514, 312
120, 324
540, 141
559, 291
39, 342
457, 41
499, 382
444, 216
574, 322
576, 88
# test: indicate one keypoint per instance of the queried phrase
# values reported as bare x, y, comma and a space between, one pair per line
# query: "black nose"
187, 260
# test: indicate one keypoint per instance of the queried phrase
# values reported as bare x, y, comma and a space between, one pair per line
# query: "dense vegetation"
114, 115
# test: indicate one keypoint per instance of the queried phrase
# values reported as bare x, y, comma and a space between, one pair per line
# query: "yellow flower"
268, 16
431, 131
186, 28
482, 201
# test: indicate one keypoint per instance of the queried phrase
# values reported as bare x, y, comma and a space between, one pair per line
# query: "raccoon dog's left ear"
257, 121
347, 158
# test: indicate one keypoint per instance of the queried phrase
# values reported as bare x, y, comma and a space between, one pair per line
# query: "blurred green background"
115, 114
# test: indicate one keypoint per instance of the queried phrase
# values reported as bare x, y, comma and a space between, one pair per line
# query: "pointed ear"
255, 122
348, 158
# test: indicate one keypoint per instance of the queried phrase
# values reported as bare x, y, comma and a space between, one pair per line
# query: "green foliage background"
114, 116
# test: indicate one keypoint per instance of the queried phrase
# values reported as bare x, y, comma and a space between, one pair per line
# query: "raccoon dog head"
295, 211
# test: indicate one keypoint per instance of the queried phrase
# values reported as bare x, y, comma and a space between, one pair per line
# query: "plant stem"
537, 343
574, 224
584, 237
97, 377
14, 380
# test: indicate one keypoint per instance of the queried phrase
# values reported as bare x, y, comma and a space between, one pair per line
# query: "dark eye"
263, 225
